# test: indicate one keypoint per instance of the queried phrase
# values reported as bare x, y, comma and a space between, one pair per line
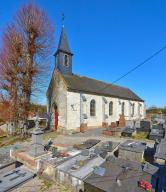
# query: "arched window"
66, 60
139, 109
133, 109
123, 108
92, 108
110, 108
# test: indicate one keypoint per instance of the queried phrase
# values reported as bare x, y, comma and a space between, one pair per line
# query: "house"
117, 175
77, 102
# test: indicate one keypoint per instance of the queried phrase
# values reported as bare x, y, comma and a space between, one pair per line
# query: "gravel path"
69, 140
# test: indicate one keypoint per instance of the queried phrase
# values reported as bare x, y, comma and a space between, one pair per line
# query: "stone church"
77, 102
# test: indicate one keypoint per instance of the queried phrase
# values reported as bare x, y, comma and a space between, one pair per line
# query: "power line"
136, 67
139, 65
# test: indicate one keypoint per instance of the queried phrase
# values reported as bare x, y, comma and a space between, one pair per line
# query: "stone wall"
73, 110
58, 97
76, 107
131, 156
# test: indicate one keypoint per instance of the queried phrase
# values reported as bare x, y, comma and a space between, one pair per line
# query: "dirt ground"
40, 185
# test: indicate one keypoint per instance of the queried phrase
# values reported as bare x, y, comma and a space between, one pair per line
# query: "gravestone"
157, 126
10, 128
145, 124
130, 123
55, 152
37, 137
137, 124
14, 178
122, 121
114, 125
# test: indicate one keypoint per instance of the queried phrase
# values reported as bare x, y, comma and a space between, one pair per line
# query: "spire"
63, 55
63, 45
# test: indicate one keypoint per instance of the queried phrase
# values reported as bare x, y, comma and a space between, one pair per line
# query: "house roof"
63, 43
87, 85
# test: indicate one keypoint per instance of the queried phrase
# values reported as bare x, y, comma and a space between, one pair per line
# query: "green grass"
52, 135
46, 184
55, 185
5, 141
140, 136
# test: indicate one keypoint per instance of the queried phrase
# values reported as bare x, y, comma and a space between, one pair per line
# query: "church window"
133, 109
66, 60
123, 108
139, 108
110, 108
92, 108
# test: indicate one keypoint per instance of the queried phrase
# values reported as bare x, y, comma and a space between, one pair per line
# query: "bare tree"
37, 33
10, 60
26, 44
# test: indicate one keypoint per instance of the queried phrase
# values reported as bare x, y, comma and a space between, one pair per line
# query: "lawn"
140, 136
53, 135
5, 141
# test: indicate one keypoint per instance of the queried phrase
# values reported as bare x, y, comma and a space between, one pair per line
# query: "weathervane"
63, 18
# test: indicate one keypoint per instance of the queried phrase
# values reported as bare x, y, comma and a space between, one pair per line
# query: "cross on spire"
63, 18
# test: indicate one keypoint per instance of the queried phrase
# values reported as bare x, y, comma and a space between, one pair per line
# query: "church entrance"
56, 116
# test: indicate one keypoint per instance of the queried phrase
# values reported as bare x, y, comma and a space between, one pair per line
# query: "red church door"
56, 120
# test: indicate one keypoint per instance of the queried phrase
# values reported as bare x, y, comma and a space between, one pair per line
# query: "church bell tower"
63, 55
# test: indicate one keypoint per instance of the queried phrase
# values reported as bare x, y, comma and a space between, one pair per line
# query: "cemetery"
75, 170
81, 165
117, 174
62, 131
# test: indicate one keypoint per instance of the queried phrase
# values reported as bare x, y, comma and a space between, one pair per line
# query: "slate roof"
87, 85
63, 43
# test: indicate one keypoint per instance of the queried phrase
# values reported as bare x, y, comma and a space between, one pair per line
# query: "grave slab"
14, 178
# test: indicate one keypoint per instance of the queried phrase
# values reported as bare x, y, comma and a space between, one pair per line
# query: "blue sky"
108, 38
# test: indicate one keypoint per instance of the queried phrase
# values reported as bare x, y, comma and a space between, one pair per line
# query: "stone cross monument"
37, 137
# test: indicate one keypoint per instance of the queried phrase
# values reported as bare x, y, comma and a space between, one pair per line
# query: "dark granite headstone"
55, 152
